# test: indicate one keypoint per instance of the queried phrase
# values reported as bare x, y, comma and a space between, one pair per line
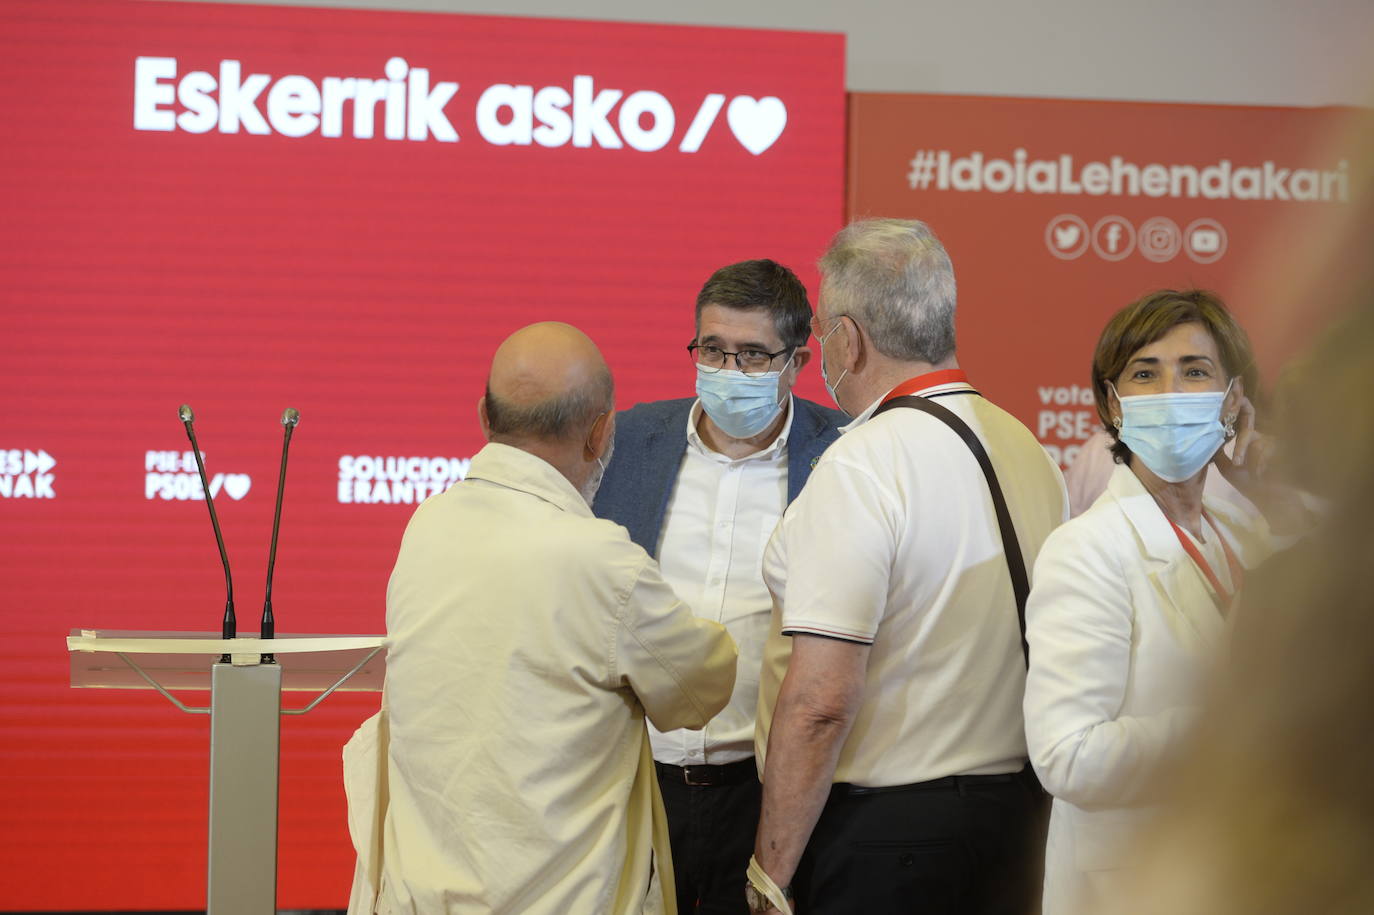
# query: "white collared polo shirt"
894, 543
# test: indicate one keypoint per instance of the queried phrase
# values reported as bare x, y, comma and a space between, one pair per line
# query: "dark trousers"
711, 830
965, 845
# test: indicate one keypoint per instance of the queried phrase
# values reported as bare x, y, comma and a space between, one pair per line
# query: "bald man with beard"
528, 641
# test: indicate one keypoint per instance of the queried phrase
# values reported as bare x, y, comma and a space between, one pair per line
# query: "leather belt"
709, 776
954, 782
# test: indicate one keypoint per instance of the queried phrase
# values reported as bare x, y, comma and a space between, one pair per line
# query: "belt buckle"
687, 777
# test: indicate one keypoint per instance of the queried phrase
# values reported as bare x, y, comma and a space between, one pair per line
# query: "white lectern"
245, 727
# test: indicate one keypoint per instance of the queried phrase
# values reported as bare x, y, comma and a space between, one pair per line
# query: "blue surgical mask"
1175, 434
741, 405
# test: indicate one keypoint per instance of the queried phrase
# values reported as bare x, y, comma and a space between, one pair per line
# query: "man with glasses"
700, 483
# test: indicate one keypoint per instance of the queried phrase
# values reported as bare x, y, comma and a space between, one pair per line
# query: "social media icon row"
1115, 238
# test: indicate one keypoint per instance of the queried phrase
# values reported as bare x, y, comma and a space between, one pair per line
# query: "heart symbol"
237, 485
1066, 236
756, 123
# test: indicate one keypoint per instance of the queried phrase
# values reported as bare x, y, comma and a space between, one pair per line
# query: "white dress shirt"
527, 642
719, 517
894, 542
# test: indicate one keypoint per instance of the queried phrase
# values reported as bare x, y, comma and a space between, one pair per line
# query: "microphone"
229, 629
289, 417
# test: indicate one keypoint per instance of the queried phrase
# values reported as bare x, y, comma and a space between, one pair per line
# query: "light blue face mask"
1175, 434
741, 405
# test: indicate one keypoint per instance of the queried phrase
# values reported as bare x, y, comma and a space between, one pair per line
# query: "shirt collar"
520, 470
694, 439
925, 385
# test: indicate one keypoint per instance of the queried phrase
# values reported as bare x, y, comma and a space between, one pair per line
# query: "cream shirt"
720, 516
527, 642
894, 542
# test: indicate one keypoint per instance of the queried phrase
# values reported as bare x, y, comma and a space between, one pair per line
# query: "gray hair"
893, 277
564, 416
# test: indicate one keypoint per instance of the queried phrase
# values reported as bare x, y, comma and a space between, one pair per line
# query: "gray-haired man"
890, 701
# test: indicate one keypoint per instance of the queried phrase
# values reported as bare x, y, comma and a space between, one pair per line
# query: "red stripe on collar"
928, 380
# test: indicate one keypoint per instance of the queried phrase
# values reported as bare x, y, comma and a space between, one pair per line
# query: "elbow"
1051, 773
1067, 771
1055, 755
718, 682
823, 689
828, 710
725, 687
701, 689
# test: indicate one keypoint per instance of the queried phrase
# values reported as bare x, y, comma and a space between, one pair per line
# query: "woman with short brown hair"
1149, 319
1129, 599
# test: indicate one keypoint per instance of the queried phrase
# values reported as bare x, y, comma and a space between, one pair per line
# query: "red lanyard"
1223, 597
928, 380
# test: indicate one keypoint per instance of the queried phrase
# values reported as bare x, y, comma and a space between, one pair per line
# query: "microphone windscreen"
290, 416
184, 411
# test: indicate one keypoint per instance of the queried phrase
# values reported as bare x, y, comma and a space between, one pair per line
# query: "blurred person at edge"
890, 702
1271, 805
700, 483
1130, 600
509, 770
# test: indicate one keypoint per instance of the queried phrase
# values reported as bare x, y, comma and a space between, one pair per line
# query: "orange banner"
1058, 213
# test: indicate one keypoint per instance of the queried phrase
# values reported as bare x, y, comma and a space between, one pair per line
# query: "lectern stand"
245, 713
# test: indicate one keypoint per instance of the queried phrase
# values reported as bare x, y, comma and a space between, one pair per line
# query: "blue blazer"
650, 440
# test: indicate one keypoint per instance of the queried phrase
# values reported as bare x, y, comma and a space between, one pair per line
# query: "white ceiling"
1262, 52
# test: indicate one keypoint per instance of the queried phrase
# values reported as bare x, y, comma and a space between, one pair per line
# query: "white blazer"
1121, 625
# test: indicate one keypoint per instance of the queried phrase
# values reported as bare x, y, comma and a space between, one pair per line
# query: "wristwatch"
758, 902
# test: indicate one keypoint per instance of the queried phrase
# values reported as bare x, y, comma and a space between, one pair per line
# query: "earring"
1116, 421
1230, 423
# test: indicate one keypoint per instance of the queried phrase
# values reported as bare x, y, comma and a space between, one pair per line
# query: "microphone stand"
229, 629
289, 418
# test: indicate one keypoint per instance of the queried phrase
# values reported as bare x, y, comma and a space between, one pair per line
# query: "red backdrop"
219, 225
152, 255
1058, 213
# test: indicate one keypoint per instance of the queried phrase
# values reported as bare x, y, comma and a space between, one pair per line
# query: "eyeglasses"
749, 361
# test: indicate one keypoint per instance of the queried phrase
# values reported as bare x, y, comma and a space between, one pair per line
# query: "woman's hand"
1250, 456
1246, 469
1247, 436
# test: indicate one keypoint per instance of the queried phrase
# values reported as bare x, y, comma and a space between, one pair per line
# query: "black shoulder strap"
1011, 547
